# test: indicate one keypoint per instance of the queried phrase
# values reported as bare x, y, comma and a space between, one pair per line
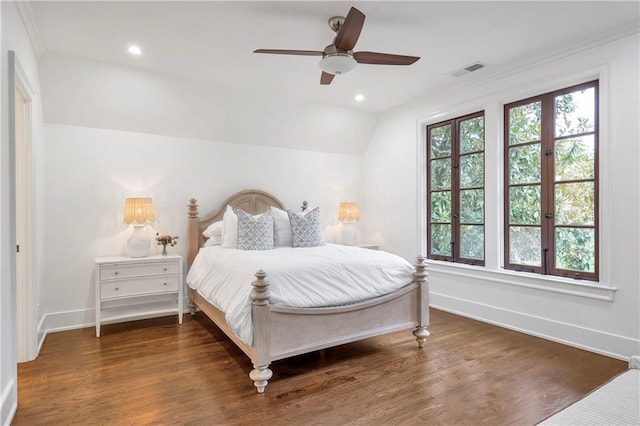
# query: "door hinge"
17, 248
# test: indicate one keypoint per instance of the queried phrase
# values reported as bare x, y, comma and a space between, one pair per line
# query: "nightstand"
142, 287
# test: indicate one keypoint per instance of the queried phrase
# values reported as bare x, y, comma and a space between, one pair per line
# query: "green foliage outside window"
441, 239
441, 141
525, 123
573, 189
441, 206
441, 174
472, 242
472, 171
472, 135
575, 249
472, 206
456, 169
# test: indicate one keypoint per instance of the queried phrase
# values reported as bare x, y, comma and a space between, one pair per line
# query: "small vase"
164, 250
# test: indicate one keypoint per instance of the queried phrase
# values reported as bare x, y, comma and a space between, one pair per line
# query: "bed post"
261, 318
421, 331
193, 239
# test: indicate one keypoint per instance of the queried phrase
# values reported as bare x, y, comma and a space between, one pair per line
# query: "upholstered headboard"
251, 201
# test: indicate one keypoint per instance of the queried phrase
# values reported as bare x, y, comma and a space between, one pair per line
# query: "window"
455, 190
551, 183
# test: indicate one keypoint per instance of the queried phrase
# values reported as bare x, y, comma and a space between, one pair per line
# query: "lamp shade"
139, 210
349, 211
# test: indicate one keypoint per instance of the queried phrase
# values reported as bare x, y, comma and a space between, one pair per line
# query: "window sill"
561, 285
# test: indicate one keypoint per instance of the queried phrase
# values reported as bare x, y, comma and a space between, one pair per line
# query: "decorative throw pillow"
230, 229
282, 236
214, 230
306, 228
255, 232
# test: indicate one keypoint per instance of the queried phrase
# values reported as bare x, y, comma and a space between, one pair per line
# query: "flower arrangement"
166, 240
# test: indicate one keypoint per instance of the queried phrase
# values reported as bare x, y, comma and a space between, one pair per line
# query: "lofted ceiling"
214, 41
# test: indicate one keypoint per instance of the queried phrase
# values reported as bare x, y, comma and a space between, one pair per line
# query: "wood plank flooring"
158, 372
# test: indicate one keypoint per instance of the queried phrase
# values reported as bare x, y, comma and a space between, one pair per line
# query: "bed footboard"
421, 331
281, 332
261, 313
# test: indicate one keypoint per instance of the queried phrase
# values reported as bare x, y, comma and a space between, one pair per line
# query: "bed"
280, 331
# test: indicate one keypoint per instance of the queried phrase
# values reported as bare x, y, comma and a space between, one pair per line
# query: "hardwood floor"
159, 372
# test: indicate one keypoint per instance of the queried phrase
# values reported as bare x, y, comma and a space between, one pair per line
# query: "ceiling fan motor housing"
336, 22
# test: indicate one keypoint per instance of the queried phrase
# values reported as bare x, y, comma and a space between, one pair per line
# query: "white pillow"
216, 240
230, 229
282, 235
213, 230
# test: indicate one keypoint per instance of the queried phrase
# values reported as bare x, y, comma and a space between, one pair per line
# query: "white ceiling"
213, 41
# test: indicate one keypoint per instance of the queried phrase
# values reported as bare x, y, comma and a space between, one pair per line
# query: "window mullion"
548, 183
455, 190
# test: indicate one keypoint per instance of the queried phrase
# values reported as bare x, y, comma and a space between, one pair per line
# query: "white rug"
615, 403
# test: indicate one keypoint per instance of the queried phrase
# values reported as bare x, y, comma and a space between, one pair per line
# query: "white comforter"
329, 275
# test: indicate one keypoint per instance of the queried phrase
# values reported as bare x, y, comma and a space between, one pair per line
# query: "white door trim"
22, 120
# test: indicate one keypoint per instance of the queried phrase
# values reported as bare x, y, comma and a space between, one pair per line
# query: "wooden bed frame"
281, 332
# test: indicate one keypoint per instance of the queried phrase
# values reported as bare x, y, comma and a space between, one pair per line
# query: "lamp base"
349, 234
138, 244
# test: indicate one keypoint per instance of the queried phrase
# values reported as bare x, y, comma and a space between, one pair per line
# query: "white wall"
89, 173
15, 38
563, 310
88, 93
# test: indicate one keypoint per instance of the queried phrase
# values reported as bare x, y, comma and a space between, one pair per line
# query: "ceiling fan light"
338, 63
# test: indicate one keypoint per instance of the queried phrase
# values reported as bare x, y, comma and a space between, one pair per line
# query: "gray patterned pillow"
255, 232
306, 228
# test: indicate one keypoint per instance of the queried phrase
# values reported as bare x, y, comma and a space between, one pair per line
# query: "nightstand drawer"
116, 270
139, 286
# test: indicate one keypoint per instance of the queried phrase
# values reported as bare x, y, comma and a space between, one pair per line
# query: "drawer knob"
116, 273
164, 283
165, 269
116, 289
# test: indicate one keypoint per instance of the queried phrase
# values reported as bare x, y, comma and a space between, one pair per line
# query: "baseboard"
69, 320
9, 403
82, 318
600, 342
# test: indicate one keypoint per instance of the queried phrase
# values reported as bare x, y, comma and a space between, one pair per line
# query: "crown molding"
30, 25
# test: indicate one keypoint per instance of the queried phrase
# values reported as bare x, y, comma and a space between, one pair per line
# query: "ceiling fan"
339, 57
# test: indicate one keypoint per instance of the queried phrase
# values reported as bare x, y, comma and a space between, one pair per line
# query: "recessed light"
359, 97
134, 50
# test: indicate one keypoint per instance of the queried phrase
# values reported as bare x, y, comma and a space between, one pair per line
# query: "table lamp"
138, 212
348, 214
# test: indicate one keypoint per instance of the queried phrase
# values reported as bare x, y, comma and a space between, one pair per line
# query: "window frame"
455, 189
548, 182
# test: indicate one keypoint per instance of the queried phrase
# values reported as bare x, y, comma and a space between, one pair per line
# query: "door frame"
21, 120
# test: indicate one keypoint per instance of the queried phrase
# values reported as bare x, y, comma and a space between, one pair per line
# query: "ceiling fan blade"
376, 58
350, 31
326, 78
290, 52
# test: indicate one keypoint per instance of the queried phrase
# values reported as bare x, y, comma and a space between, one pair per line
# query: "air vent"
466, 70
